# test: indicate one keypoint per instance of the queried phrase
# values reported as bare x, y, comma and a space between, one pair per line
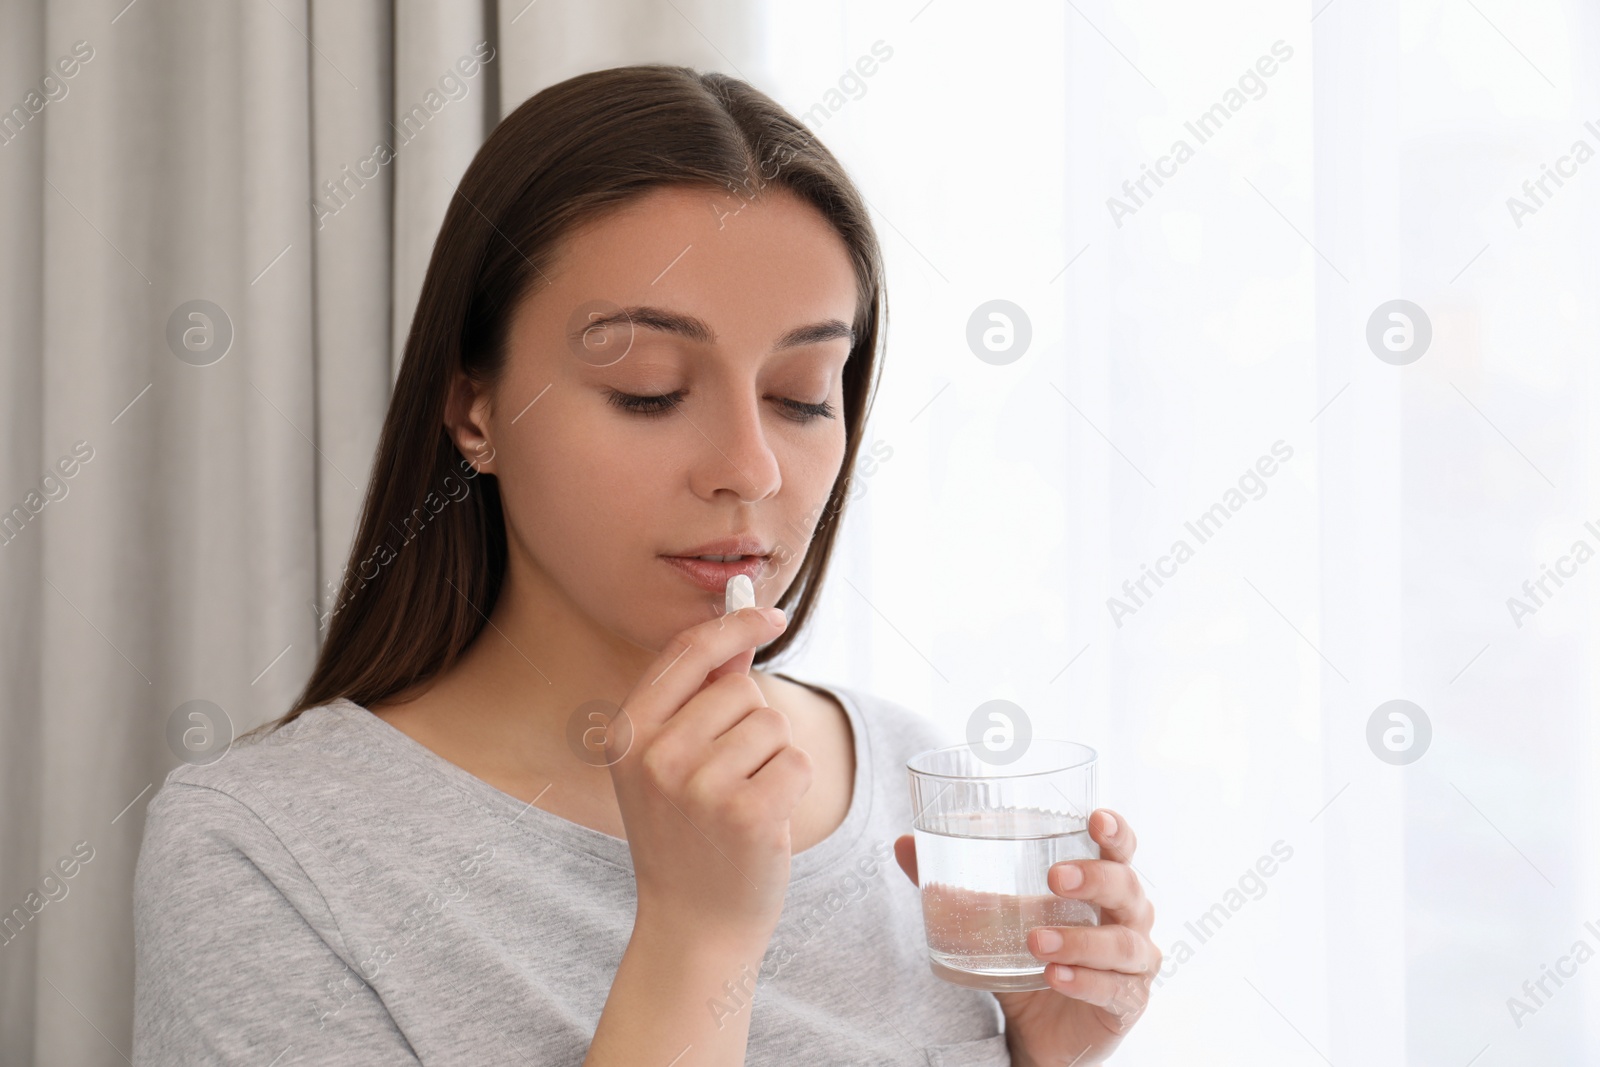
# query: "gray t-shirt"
337, 893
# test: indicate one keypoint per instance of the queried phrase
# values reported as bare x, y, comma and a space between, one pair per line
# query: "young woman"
535, 805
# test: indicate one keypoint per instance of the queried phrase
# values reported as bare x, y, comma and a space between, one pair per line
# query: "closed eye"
660, 405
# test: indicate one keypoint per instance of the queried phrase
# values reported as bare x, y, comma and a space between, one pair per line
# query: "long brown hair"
566, 156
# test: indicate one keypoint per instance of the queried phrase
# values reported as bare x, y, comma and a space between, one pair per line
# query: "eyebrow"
696, 329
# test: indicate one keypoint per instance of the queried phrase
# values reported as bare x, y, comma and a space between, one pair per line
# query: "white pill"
739, 593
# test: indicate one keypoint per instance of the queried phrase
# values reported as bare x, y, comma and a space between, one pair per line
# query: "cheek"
574, 490
815, 470
810, 467
584, 509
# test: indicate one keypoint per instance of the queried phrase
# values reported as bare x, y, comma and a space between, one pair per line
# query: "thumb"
905, 853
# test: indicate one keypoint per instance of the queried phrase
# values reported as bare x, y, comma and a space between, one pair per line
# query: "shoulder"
237, 911
233, 831
227, 805
305, 749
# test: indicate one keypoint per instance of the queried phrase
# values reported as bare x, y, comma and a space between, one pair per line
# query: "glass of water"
986, 836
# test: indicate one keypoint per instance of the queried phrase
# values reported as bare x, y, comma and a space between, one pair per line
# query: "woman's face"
739, 308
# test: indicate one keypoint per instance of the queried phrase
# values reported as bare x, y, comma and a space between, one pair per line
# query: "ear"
466, 419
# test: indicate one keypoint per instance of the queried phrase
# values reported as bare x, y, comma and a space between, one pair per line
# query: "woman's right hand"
706, 784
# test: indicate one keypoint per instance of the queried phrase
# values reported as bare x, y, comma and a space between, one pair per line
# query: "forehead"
751, 268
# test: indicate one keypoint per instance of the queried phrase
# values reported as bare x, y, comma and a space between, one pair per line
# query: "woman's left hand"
1083, 1017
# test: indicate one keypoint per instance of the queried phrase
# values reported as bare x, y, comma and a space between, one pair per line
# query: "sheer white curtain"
1364, 153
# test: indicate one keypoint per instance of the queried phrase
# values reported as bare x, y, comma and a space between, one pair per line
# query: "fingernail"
1049, 940
1063, 973
1109, 821
1069, 876
777, 615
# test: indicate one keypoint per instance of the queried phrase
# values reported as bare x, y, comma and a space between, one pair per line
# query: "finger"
1121, 998
1104, 948
749, 743
1116, 840
717, 708
1112, 885
778, 786
680, 670
905, 853
739, 664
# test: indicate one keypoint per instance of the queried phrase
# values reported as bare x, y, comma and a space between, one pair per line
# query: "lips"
743, 545
713, 577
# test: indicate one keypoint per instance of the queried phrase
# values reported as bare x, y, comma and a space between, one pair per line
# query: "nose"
736, 456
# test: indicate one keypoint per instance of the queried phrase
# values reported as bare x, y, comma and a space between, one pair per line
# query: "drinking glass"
986, 836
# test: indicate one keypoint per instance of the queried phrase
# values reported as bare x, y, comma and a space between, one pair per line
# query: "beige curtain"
207, 269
